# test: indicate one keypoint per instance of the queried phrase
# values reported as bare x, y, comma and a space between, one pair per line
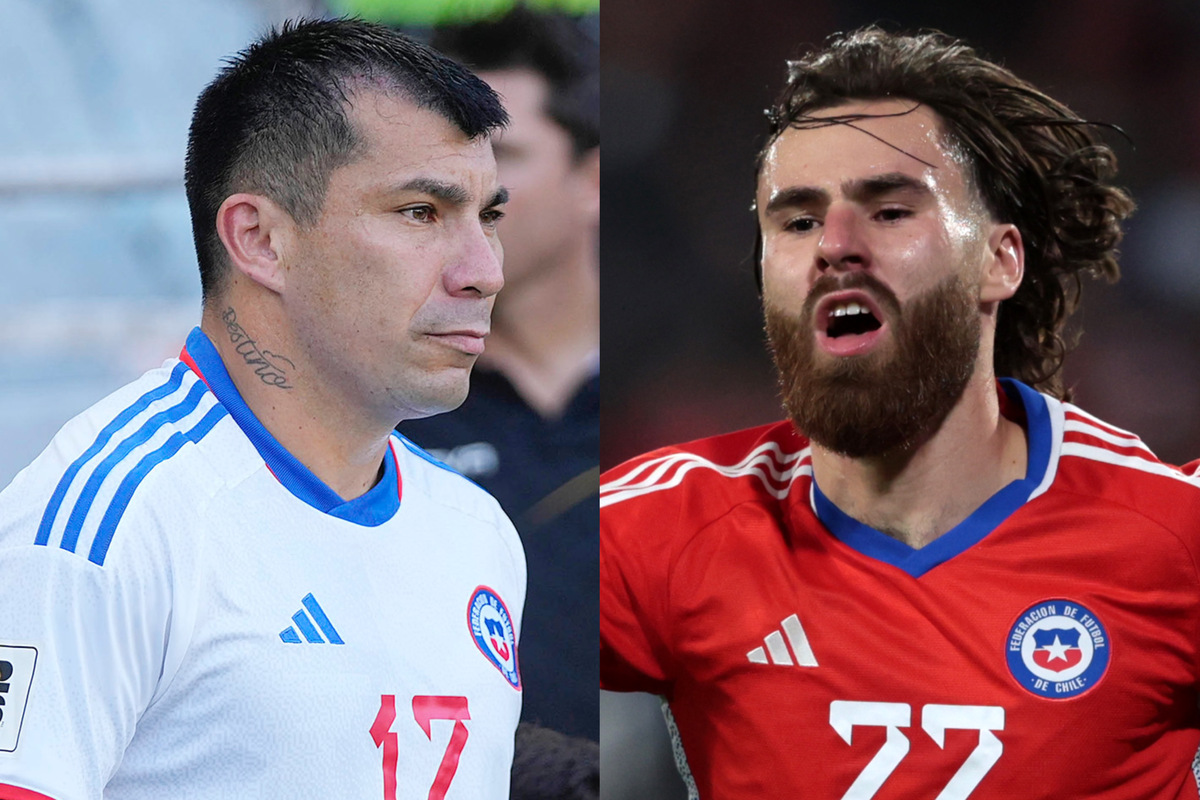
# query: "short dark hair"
552, 45
1036, 164
274, 121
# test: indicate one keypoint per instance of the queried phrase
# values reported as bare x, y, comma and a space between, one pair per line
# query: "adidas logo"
305, 623
777, 650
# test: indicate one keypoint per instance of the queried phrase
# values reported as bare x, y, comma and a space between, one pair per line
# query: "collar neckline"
981, 522
375, 507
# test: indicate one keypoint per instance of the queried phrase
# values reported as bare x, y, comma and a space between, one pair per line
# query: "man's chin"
853, 419
855, 442
878, 402
864, 371
436, 398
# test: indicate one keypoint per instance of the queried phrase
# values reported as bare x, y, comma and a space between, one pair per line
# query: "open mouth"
849, 323
850, 319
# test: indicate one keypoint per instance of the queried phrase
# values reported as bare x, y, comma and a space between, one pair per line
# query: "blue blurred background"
97, 273
98, 276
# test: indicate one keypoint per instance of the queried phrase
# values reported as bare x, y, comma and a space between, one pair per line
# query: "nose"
841, 245
477, 269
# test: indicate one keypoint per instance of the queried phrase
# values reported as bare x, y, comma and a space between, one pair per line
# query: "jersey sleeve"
634, 571
81, 652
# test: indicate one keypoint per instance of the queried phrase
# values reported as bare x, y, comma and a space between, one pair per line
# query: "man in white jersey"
230, 578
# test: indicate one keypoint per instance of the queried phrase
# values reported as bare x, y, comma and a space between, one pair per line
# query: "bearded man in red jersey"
939, 578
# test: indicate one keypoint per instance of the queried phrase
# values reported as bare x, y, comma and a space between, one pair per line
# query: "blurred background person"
529, 431
684, 84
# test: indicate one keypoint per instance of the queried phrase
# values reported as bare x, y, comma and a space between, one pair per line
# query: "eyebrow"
450, 193
859, 190
499, 198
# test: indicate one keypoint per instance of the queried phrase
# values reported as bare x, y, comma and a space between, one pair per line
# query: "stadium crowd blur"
684, 86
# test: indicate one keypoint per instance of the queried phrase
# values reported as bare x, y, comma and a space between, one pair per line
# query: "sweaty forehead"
857, 138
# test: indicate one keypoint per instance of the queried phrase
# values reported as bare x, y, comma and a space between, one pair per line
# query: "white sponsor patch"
16, 676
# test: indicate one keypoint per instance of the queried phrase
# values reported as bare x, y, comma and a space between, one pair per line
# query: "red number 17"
425, 709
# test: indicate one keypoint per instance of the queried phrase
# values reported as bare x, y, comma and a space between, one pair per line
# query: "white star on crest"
1058, 650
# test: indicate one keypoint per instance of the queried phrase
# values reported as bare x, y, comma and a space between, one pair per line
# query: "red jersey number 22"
426, 708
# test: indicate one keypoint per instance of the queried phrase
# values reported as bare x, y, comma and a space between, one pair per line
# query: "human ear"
1005, 264
251, 227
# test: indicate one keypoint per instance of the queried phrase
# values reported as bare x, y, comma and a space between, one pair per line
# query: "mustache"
861, 280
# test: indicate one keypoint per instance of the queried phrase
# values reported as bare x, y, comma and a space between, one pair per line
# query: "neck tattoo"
271, 368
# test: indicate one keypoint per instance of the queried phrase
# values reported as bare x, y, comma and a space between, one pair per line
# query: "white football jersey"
186, 611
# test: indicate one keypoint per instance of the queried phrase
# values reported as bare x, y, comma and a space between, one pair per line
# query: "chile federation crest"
1058, 649
492, 627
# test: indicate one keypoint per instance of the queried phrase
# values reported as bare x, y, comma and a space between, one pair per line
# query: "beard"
887, 400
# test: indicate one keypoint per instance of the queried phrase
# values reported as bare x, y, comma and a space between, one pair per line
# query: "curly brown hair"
1036, 164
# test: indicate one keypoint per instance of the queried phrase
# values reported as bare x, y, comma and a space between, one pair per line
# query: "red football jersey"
1045, 647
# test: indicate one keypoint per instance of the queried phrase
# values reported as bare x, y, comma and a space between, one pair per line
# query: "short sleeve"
82, 646
634, 656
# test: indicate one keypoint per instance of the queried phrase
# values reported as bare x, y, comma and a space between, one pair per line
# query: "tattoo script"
271, 368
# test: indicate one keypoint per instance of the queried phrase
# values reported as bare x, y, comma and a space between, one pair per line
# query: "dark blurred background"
685, 83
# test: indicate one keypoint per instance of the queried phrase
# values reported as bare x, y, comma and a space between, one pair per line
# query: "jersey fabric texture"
1046, 647
545, 473
188, 612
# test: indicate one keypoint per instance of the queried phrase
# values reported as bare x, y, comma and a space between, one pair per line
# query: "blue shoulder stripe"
102, 438
150, 427
120, 501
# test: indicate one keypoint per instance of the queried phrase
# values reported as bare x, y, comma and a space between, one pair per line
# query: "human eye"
419, 213
491, 216
801, 224
893, 214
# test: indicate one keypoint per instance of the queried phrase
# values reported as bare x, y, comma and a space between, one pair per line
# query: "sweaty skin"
889, 197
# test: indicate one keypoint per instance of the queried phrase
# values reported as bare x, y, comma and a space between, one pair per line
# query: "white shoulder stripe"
1103, 455
626, 481
768, 463
1105, 436
1079, 412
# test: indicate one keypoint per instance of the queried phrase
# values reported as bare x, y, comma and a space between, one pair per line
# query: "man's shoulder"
708, 476
441, 483
448, 498
1088, 441
86, 483
1102, 460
